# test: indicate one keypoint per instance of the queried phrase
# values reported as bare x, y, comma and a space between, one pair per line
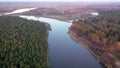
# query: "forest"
102, 30
23, 43
100, 35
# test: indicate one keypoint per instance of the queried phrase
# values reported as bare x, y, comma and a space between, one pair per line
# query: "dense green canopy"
23, 43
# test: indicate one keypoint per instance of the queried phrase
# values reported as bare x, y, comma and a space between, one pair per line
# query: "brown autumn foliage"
103, 30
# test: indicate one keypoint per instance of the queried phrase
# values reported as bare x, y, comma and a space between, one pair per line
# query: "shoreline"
80, 41
105, 58
48, 28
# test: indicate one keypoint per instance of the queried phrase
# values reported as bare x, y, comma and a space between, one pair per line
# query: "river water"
20, 11
63, 51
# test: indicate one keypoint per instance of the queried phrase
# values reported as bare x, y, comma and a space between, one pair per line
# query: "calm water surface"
63, 51
20, 11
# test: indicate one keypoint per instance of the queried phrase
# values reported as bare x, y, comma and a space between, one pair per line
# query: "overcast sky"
68, 0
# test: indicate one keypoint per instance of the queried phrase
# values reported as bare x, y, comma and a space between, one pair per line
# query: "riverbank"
59, 45
48, 28
66, 51
107, 59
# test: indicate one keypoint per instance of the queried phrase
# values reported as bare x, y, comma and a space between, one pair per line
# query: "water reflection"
63, 51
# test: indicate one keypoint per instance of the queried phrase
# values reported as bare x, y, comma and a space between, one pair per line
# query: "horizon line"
52, 1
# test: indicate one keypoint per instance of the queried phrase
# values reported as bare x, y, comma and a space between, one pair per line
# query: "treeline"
23, 43
103, 30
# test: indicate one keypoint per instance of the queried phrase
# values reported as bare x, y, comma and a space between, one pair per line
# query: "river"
20, 11
63, 51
